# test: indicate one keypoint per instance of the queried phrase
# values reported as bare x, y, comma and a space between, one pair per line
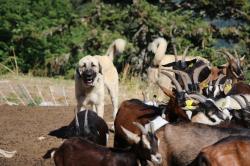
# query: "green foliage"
47, 38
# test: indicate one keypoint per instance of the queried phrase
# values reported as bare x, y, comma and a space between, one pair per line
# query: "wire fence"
16, 93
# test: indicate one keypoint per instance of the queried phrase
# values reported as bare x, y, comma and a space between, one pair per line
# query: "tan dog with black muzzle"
89, 85
90, 89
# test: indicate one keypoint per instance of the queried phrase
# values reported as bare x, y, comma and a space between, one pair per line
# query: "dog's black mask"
88, 76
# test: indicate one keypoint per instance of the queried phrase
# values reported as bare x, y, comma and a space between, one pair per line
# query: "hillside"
47, 38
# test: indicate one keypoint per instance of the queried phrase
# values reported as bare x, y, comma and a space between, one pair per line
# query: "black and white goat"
86, 124
206, 110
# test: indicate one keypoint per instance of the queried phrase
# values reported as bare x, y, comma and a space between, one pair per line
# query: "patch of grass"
131, 87
134, 87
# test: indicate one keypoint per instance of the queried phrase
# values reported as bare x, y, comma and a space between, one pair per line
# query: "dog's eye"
84, 65
93, 65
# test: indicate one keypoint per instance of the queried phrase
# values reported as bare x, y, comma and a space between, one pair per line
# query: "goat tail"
116, 48
200, 160
203, 161
50, 153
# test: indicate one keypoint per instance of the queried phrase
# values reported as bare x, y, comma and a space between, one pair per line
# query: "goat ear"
191, 62
170, 64
100, 68
133, 138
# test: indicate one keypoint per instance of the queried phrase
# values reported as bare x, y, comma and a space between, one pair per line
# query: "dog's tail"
158, 47
116, 48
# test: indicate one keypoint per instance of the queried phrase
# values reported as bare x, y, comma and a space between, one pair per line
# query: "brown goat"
230, 151
132, 111
240, 88
136, 111
182, 142
81, 152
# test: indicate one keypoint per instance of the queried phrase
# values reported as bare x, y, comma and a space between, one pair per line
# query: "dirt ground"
21, 126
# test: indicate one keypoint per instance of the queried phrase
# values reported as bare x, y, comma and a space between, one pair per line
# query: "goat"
234, 112
180, 143
234, 67
242, 116
203, 74
232, 70
130, 111
96, 131
136, 110
229, 102
81, 152
230, 151
159, 47
240, 88
207, 111
226, 88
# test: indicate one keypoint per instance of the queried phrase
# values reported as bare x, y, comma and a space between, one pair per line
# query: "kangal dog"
93, 74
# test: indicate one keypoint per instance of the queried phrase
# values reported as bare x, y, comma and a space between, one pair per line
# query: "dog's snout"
89, 73
88, 76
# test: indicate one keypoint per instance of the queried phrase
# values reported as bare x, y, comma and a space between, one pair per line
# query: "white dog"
92, 73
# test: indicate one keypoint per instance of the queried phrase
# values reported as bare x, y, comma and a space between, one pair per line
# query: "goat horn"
185, 54
143, 130
152, 127
200, 98
86, 126
175, 53
197, 72
175, 82
228, 54
166, 91
172, 38
184, 76
237, 56
245, 99
131, 136
238, 101
221, 76
247, 104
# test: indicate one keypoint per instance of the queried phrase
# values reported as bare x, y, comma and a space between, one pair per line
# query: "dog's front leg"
80, 100
100, 109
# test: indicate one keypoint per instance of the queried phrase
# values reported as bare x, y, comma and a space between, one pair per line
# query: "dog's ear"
100, 68
77, 72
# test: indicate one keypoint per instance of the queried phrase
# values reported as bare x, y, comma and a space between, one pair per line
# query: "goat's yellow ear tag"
227, 88
189, 104
191, 65
205, 85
